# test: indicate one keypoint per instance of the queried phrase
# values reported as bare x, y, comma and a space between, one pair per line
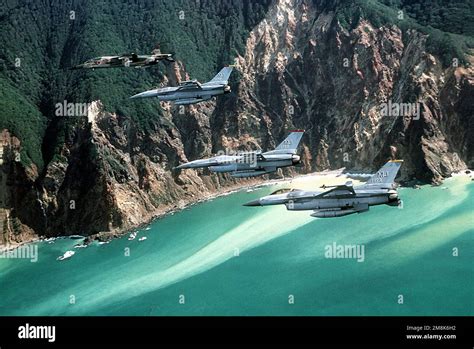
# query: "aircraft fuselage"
207, 92
308, 200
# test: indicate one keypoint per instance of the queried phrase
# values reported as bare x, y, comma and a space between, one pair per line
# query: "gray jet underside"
251, 164
192, 91
340, 200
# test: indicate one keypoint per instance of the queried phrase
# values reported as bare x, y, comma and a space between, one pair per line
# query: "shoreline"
108, 236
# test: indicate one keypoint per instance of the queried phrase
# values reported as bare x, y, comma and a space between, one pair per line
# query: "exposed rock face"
18, 201
301, 69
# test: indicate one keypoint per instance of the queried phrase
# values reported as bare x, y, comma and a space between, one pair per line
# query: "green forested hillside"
44, 38
448, 23
451, 16
41, 39
25, 121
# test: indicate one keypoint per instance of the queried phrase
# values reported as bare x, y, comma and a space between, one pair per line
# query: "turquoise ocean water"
220, 258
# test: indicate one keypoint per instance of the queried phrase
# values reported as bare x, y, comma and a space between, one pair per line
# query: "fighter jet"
252, 164
340, 200
126, 60
192, 91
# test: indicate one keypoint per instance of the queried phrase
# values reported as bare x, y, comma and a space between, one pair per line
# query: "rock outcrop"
301, 69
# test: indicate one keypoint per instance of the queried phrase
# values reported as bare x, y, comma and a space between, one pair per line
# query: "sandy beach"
311, 181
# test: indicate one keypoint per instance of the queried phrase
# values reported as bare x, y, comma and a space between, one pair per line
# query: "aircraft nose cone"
139, 95
181, 167
253, 203
145, 94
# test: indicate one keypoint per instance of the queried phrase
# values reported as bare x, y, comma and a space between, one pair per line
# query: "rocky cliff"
300, 67
303, 69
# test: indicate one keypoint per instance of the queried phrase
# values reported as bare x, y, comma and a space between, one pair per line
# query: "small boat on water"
66, 255
143, 238
147, 228
133, 236
80, 246
50, 240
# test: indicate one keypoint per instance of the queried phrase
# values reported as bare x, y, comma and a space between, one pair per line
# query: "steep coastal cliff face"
299, 67
303, 69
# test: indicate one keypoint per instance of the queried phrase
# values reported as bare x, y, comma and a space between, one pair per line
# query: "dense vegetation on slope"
24, 121
451, 16
448, 23
45, 38
41, 39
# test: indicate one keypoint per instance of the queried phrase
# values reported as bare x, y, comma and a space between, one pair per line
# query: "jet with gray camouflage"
340, 200
256, 163
126, 60
192, 91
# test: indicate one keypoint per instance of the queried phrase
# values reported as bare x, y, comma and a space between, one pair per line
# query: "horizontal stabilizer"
189, 86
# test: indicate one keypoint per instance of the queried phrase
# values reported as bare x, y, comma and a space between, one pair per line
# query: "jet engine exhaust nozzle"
296, 159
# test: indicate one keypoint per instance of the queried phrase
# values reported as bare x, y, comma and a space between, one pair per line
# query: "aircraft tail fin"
385, 177
223, 76
290, 144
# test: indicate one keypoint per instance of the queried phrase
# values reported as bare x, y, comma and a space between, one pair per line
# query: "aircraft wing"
130, 56
336, 192
189, 86
339, 191
224, 160
115, 60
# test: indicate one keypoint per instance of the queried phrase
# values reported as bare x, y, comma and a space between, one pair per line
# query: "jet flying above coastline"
252, 164
340, 200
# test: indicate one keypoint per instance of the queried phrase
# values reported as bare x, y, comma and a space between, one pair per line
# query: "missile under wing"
252, 164
192, 91
340, 200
